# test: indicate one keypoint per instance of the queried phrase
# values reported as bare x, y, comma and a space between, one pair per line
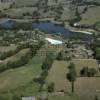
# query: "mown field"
84, 87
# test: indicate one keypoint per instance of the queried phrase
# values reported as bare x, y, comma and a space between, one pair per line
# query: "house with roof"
28, 98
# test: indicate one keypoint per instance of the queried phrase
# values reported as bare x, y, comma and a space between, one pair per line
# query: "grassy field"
85, 89
97, 25
59, 97
14, 78
25, 73
83, 86
4, 6
18, 12
20, 80
91, 16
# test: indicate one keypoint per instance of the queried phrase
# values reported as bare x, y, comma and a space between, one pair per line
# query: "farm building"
54, 42
28, 98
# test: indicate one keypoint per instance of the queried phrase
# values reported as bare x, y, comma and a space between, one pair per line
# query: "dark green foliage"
15, 97
41, 79
51, 87
44, 73
24, 59
72, 72
5, 55
60, 56
72, 75
89, 72
97, 53
45, 67
17, 63
96, 98
48, 62
84, 71
63, 56
3, 67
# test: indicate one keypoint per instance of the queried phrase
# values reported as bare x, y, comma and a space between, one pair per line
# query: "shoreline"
52, 21
85, 32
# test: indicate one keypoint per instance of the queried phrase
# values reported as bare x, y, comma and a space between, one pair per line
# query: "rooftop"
54, 42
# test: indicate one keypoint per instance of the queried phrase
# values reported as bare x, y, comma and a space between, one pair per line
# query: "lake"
47, 27
60, 29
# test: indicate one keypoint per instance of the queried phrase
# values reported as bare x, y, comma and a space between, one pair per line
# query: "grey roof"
28, 98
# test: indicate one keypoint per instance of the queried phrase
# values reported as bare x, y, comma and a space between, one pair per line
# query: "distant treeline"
47, 64
93, 3
83, 2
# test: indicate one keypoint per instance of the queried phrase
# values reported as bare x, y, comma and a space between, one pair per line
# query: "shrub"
90, 72
51, 87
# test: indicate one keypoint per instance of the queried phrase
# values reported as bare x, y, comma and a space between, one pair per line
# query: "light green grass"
15, 78
19, 81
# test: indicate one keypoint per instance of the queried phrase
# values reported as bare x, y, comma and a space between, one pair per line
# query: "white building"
54, 42
28, 98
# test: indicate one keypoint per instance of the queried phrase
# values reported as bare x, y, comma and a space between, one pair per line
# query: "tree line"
47, 64
24, 59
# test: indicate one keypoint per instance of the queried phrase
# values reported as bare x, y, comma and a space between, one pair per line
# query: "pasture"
91, 16
61, 97
14, 78
18, 12
83, 86
20, 80
4, 6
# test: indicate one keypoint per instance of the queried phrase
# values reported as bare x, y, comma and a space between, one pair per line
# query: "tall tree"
72, 75
96, 98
